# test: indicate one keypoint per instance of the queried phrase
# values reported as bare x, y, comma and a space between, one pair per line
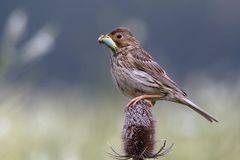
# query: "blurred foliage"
74, 125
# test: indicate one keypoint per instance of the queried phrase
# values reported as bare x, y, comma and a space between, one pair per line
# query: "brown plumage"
137, 75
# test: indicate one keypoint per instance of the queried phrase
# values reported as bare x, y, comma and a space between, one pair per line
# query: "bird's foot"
149, 98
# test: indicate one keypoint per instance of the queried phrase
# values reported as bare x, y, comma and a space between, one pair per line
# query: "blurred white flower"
39, 155
16, 24
14, 29
44, 122
70, 153
5, 126
40, 44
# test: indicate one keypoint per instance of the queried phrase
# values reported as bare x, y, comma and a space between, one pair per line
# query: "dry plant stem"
139, 134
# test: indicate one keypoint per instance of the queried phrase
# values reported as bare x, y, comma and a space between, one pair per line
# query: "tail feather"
187, 102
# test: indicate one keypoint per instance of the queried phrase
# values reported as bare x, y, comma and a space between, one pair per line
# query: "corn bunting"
137, 75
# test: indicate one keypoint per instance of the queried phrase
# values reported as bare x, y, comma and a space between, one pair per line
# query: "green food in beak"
105, 39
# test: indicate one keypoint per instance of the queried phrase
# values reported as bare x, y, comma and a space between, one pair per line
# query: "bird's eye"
119, 36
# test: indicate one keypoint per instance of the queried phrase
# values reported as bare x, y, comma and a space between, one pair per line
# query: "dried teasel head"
139, 134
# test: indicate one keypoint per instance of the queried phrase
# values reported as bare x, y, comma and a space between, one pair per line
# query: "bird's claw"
135, 100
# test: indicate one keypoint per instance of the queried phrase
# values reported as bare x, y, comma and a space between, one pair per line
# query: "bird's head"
118, 39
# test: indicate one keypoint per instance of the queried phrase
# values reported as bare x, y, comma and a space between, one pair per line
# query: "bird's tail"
183, 100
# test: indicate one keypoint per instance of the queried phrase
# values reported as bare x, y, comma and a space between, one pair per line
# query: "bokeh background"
57, 99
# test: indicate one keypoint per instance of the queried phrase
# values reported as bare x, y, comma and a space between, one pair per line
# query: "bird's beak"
105, 39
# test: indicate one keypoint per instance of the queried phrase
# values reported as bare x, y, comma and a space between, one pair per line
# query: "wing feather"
144, 62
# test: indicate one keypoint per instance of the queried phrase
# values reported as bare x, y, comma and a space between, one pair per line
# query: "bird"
137, 75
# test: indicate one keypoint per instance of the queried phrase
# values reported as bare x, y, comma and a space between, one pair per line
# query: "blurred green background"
57, 99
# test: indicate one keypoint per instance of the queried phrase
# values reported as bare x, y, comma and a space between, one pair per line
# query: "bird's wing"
144, 62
